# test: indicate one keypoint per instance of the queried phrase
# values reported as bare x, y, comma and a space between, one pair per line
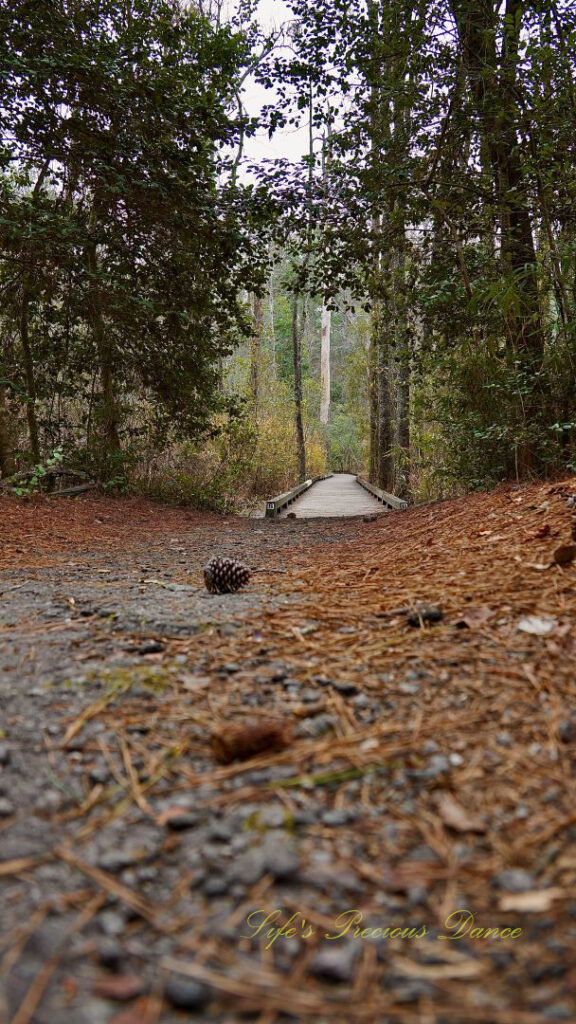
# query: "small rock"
423, 614
185, 993
117, 860
273, 817
309, 696
111, 922
515, 880
345, 689
319, 725
409, 688
305, 817
110, 954
5, 754
337, 817
566, 731
281, 857
412, 991
147, 873
335, 963
437, 765
217, 885
6, 808
152, 647
276, 855
178, 822
558, 1011
221, 832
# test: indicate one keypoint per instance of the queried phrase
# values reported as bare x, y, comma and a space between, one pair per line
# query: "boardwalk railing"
276, 505
387, 499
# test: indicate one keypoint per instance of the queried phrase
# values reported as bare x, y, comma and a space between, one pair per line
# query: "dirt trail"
430, 774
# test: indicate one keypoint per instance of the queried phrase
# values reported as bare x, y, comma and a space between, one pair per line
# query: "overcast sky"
291, 144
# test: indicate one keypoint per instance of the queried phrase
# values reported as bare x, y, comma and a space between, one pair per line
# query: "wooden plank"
335, 497
275, 505
387, 499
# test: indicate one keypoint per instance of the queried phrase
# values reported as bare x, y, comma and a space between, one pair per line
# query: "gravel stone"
215, 886
186, 994
180, 822
273, 816
153, 647
567, 731
345, 689
409, 688
276, 855
117, 860
515, 880
112, 922
110, 954
337, 817
335, 963
6, 807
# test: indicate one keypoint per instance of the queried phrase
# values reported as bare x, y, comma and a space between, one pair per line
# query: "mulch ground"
406, 854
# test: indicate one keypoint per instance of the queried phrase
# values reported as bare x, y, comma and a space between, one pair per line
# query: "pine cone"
225, 575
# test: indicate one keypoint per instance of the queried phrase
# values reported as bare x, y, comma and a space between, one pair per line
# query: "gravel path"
429, 773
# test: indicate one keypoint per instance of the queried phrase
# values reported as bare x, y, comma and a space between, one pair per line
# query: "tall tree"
134, 248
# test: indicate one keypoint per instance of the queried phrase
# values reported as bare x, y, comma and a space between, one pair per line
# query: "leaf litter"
428, 772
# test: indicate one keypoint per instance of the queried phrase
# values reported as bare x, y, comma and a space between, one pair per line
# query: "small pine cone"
225, 575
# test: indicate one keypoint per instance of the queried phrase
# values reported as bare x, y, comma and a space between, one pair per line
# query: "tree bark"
109, 412
7, 463
297, 357
325, 341
256, 354
274, 368
493, 84
384, 424
28, 363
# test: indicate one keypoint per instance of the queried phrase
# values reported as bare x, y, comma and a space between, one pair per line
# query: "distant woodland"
179, 319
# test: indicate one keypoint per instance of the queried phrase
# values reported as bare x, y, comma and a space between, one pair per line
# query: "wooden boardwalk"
339, 495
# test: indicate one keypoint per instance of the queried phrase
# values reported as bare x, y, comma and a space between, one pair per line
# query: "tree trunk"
373, 397
109, 413
7, 464
256, 354
493, 86
384, 424
402, 352
28, 362
325, 367
297, 356
273, 368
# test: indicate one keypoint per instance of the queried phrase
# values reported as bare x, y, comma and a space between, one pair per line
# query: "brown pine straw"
348, 624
